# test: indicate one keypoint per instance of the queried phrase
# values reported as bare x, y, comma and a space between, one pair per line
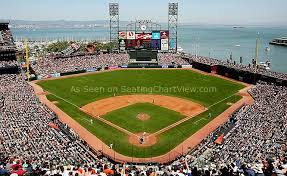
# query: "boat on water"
264, 65
267, 49
279, 41
180, 49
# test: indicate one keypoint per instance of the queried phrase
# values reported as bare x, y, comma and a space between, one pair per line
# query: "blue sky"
191, 11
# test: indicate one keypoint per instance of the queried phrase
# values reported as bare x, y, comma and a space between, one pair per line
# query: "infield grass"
127, 117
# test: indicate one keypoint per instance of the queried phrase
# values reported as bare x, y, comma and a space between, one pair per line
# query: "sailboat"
261, 65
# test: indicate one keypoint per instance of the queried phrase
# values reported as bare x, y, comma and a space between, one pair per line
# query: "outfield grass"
127, 117
86, 89
133, 78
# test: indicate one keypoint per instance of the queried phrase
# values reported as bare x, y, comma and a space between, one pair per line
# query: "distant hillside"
67, 24
60, 24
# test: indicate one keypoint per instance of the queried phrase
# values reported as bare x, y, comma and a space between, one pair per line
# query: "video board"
155, 40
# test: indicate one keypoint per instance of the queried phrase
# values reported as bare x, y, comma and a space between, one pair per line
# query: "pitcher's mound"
148, 140
143, 117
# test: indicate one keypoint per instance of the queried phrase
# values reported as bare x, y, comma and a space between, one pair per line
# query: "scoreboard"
155, 40
143, 55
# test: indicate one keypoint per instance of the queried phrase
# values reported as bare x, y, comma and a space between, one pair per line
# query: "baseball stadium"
138, 106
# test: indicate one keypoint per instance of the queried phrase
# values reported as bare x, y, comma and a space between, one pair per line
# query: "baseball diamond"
174, 116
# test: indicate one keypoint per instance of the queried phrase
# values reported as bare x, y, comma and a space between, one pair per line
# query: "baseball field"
165, 107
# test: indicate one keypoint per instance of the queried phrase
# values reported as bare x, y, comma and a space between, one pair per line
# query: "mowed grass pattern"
74, 91
127, 117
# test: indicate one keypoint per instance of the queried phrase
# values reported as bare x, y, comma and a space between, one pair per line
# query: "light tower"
172, 26
114, 25
257, 52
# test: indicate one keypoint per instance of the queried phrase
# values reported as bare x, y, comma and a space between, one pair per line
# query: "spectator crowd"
238, 66
34, 142
26, 131
47, 65
171, 59
70, 50
6, 40
258, 141
50, 65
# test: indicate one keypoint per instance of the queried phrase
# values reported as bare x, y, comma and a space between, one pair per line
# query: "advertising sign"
155, 35
55, 75
147, 36
164, 44
146, 44
186, 66
91, 70
139, 43
164, 34
113, 67
131, 35
131, 43
155, 44
39, 77
140, 36
122, 35
144, 36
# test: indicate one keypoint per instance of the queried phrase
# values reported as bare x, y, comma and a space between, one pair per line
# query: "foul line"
156, 133
221, 100
63, 99
101, 119
200, 120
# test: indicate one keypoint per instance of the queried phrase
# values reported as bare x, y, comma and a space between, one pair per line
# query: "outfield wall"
236, 74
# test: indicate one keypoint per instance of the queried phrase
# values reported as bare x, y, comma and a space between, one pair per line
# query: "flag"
52, 125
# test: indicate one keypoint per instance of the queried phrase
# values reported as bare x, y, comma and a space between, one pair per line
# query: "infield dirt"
102, 107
